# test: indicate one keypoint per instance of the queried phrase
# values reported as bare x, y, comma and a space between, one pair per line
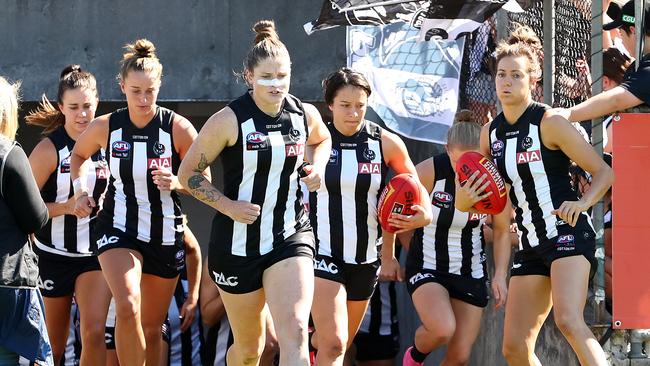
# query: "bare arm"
43, 161
613, 100
319, 146
193, 267
501, 252
557, 133
212, 309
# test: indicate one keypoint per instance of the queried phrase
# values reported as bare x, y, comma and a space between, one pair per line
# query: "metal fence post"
549, 51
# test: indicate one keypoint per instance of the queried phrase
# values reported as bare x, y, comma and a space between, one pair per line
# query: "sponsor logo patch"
158, 148
65, 165
159, 163
476, 216
221, 279
527, 143
322, 265
334, 157
295, 150
369, 168
107, 240
442, 199
526, 157
45, 285
419, 277
121, 150
294, 134
497, 149
369, 154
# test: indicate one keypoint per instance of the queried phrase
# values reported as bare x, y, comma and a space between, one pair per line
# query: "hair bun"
69, 70
264, 29
524, 34
464, 115
142, 48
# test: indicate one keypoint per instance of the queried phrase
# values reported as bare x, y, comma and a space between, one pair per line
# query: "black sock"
418, 356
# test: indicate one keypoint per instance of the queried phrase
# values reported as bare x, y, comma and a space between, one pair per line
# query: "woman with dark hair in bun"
343, 212
67, 264
262, 245
139, 230
532, 148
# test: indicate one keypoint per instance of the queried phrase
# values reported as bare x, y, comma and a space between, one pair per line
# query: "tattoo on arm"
203, 190
203, 163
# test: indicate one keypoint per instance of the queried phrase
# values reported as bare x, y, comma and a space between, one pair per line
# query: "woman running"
532, 148
262, 245
67, 264
343, 213
445, 270
139, 231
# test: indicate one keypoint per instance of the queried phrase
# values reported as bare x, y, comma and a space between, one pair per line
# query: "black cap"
625, 16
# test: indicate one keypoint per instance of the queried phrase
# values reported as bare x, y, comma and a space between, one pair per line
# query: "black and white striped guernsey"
66, 234
133, 203
343, 212
538, 177
262, 168
184, 347
452, 242
218, 339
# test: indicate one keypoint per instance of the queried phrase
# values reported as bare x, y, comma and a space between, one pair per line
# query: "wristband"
79, 187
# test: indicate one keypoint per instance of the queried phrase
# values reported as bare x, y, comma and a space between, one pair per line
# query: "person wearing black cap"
635, 89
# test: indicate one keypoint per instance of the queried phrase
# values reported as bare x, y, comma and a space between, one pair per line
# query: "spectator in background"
23, 333
615, 64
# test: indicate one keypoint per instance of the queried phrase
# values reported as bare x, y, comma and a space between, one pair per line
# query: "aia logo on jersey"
497, 149
369, 154
526, 157
159, 163
476, 216
65, 165
294, 150
442, 199
256, 141
121, 150
102, 172
158, 148
334, 157
369, 168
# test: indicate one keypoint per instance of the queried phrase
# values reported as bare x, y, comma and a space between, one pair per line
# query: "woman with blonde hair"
23, 334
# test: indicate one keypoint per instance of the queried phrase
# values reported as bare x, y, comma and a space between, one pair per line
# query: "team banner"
381, 12
366, 12
452, 19
414, 84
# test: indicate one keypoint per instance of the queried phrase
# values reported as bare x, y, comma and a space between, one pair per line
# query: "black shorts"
570, 242
240, 275
473, 291
159, 260
372, 347
359, 280
58, 274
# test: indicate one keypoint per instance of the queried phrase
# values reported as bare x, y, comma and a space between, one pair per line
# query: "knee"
152, 332
458, 356
293, 331
515, 350
333, 345
441, 333
127, 308
569, 324
93, 334
250, 353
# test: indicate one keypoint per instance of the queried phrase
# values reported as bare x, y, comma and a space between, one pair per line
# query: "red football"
471, 161
402, 192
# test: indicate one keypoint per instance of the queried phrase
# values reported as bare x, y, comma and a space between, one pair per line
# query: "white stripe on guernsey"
542, 185
49, 249
375, 183
139, 161
323, 221
169, 224
222, 342
249, 163
278, 152
62, 194
289, 211
83, 225
477, 248
428, 239
119, 212
349, 172
454, 243
510, 162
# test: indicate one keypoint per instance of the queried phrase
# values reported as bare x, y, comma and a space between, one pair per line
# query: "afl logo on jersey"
158, 148
121, 150
256, 141
65, 165
527, 143
442, 199
294, 134
497, 148
334, 157
369, 154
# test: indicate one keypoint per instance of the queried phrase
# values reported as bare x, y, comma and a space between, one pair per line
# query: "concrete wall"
200, 43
